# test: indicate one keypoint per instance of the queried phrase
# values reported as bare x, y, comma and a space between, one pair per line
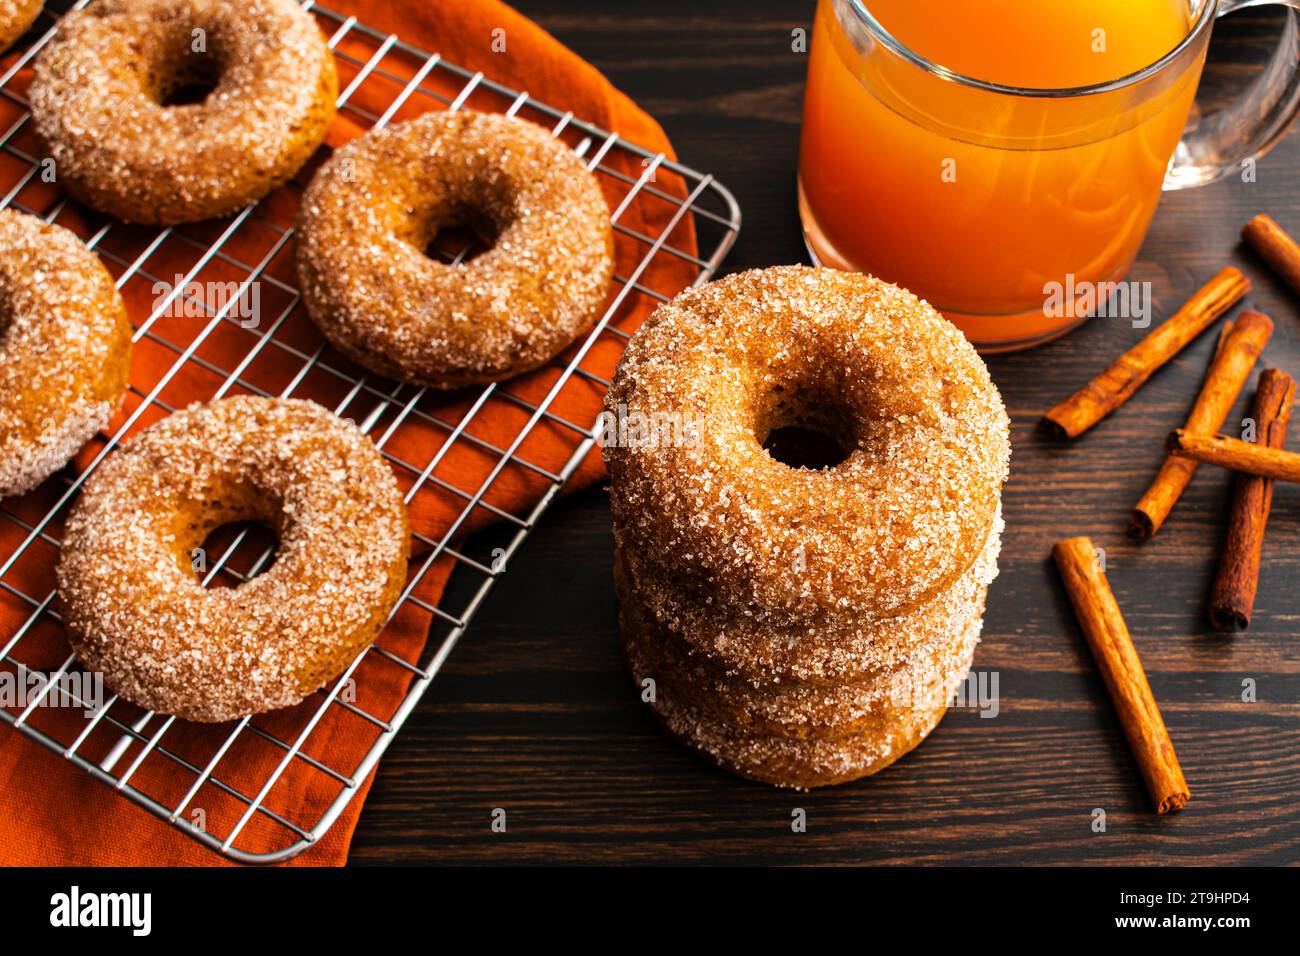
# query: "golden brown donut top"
99, 84
134, 606
372, 209
65, 346
900, 388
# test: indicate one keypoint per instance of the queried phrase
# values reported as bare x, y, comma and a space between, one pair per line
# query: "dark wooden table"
534, 713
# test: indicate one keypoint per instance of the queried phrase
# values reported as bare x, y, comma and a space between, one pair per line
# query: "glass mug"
981, 196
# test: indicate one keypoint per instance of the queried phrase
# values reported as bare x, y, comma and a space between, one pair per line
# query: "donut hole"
800, 447
800, 429
256, 547
461, 237
188, 80
6, 310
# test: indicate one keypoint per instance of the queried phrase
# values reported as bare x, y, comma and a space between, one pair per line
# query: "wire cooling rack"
133, 743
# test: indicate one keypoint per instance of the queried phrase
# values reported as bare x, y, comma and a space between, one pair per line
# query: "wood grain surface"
534, 713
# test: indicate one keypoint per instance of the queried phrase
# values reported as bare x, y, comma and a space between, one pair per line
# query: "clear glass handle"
1215, 146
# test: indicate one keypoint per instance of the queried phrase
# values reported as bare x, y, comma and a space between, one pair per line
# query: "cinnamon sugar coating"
99, 87
65, 349
15, 18
893, 525
133, 604
371, 211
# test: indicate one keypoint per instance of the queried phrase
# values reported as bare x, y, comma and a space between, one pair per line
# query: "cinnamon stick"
1223, 383
1112, 646
1276, 247
1115, 386
1243, 456
1232, 599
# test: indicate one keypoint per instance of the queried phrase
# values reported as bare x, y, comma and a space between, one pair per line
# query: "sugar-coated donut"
15, 17
791, 759
826, 651
371, 211
101, 90
899, 387
65, 349
791, 708
134, 607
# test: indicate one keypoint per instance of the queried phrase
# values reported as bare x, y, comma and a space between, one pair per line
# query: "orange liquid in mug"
976, 200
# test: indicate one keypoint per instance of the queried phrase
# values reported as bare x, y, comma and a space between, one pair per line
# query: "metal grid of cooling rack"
380, 408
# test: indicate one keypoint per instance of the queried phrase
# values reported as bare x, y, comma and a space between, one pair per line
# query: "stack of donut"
801, 625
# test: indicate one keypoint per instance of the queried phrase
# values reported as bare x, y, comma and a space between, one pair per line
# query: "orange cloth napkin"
53, 813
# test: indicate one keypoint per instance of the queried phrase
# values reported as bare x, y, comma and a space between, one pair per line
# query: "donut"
15, 17
372, 209
104, 99
878, 370
788, 760
826, 651
135, 608
792, 708
65, 349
